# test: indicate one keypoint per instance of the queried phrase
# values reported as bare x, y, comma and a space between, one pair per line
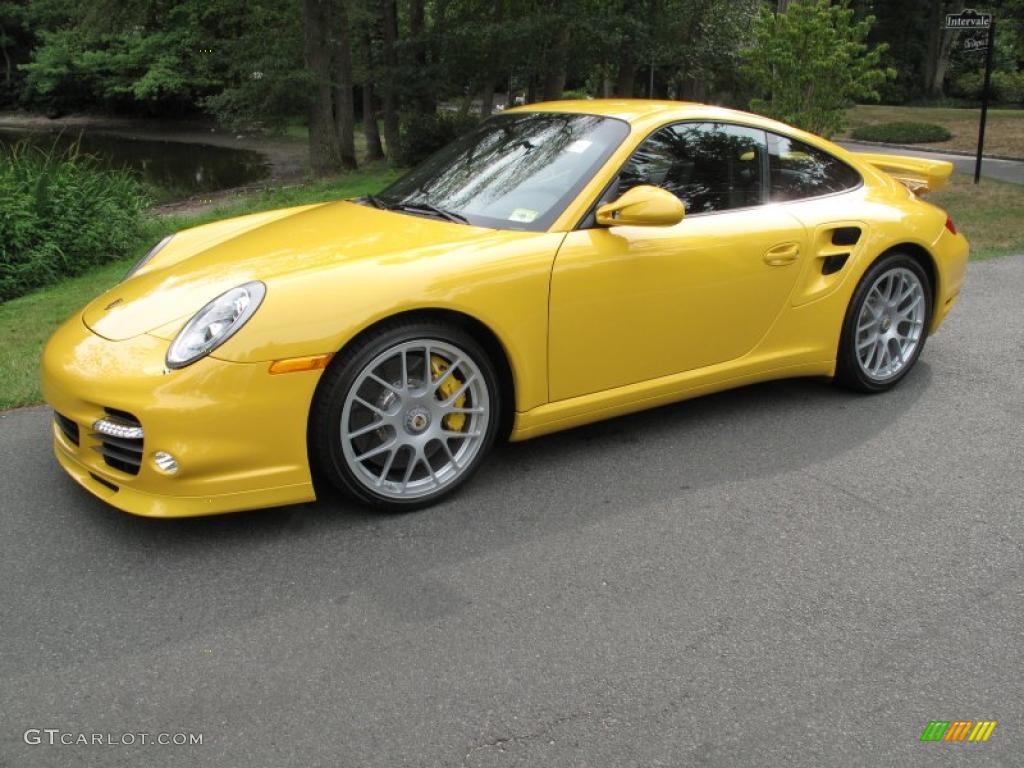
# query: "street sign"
977, 44
968, 19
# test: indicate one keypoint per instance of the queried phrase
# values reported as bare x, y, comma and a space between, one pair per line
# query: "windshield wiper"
375, 201
429, 208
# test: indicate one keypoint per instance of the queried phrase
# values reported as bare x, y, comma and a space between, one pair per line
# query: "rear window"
797, 171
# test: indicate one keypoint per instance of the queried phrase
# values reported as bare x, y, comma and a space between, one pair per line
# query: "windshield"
516, 171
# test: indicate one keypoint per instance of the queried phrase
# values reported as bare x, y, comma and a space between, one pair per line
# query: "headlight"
215, 323
145, 259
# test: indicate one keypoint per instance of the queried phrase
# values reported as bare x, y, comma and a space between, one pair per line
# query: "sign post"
970, 19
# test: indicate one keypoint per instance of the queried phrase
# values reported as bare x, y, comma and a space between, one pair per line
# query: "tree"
391, 74
344, 109
813, 61
940, 41
324, 150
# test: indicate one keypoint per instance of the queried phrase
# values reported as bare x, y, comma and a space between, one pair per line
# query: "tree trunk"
390, 85
625, 85
374, 151
324, 157
940, 45
7, 58
554, 74
487, 98
344, 109
425, 101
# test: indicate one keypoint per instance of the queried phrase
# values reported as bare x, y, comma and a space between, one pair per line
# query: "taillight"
950, 225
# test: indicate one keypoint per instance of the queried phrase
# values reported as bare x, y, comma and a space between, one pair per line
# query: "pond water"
177, 168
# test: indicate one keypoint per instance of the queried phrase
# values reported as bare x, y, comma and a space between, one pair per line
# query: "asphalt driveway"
787, 575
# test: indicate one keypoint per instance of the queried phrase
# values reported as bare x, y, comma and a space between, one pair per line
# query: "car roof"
645, 114
639, 110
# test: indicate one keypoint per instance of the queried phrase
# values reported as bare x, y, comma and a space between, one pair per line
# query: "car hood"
325, 237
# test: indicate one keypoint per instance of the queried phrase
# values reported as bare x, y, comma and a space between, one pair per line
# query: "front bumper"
237, 432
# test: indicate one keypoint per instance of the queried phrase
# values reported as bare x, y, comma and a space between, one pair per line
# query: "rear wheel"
406, 416
886, 325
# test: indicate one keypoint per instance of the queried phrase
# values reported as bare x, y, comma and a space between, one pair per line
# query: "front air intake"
68, 427
120, 436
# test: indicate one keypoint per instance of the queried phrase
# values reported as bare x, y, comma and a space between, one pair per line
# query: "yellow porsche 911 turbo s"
563, 263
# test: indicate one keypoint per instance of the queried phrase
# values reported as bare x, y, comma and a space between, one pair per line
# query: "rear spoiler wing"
918, 174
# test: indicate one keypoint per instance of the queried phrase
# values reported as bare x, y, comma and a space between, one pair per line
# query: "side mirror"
642, 206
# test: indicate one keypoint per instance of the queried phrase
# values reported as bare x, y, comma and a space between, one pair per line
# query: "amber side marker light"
295, 364
950, 225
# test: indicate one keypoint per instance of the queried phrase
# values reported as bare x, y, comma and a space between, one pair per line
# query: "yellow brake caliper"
453, 421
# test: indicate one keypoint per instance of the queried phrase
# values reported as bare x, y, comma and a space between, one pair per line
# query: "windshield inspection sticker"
578, 146
523, 214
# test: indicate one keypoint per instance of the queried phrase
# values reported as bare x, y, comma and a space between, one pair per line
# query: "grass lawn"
27, 322
988, 214
1004, 132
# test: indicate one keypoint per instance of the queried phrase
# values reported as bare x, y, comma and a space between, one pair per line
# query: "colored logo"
958, 730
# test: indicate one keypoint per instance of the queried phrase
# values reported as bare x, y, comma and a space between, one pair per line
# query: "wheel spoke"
387, 466
451, 456
387, 385
456, 433
368, 405
410, 469
367, 429
376, 451
430, 469
906, 311
899, 353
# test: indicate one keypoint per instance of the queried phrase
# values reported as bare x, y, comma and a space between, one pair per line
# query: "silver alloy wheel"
890, 324
414, 419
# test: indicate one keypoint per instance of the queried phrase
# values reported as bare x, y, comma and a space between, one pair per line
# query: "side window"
709, 166
797, 171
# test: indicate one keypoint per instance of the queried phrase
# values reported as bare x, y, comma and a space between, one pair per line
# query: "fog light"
165, 462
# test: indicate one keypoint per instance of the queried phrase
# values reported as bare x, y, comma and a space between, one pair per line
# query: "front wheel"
404, 418
886, 325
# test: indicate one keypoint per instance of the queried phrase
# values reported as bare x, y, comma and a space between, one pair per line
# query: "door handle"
783, 254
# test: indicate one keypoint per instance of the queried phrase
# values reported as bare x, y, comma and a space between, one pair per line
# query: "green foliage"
422, 134
1007, 87
813, 61
968, 85
902, 133
61, 214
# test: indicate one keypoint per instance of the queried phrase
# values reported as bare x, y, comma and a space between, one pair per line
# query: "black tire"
849, 372
327, 454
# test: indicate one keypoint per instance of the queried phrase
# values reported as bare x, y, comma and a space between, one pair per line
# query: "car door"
630, 303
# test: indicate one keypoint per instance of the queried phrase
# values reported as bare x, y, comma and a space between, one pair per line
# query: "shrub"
423, 134
60, 213
1008, 87
902, 133
968, 85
